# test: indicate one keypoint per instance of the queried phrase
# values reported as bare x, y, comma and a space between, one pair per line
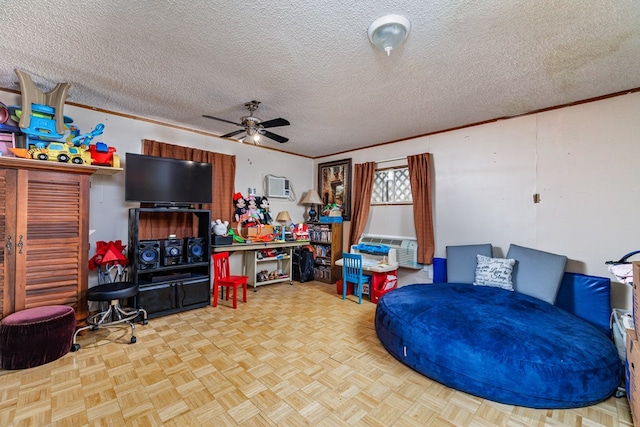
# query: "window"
391, 186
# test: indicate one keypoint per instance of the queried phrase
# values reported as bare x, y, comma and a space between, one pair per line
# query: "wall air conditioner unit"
406, 248
277, 188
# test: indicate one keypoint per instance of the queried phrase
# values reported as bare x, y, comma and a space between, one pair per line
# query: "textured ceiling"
311, 61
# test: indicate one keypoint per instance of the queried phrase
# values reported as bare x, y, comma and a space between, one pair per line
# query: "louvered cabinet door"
52, 228
7, 239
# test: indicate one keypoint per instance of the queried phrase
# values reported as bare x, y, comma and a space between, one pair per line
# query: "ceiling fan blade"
230, 134
280, 139
222, 120
275, 123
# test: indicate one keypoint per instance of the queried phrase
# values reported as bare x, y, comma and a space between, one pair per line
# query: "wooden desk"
283, 263
258, 245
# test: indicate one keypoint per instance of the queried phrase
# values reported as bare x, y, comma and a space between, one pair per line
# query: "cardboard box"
632, 374
636, 296
265, 230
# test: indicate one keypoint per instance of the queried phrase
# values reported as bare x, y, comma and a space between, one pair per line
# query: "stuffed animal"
265, 215
220, 228
253, 215
241, 206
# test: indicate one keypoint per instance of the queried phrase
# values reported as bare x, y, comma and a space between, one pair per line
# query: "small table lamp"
283, 217
311, 198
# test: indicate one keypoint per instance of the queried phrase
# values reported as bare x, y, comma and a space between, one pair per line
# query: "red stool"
36, 336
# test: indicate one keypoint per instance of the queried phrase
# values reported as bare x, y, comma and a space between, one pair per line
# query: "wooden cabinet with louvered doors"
7, 236
45, 234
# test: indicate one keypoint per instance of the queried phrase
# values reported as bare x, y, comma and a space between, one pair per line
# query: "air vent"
277, 188
406, 248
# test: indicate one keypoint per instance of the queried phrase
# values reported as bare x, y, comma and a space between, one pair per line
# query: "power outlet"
429, 270
252, 191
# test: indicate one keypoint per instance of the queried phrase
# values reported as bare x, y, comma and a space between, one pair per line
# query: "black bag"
303, 262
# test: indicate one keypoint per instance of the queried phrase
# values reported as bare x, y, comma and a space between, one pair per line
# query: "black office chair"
115, 314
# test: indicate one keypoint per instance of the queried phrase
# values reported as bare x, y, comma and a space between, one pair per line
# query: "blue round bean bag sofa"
500, 345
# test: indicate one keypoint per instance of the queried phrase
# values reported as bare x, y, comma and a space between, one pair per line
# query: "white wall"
583, 160
109, 212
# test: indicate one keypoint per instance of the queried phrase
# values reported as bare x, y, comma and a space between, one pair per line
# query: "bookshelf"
326, 238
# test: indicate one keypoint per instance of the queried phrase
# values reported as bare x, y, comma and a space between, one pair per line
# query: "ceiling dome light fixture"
388, 32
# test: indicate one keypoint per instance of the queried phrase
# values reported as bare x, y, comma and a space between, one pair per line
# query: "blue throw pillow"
462, 261
537, 273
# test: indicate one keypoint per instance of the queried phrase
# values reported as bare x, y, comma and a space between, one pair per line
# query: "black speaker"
148, 254
196, 250
171, 252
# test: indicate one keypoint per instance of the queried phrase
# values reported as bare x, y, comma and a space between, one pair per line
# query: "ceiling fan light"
253, 134
388, 32
254, 127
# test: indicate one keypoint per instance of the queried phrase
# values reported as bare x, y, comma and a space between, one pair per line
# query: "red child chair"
222, 278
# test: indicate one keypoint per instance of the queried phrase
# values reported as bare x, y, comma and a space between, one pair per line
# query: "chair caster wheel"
75, 347
95, 328
133, 340
145, 322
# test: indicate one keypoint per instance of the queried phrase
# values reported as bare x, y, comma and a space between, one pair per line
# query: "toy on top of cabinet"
104, 155
86, 138
49, 133
32, 96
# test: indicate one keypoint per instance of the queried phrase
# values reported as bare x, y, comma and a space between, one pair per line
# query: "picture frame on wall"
334, 185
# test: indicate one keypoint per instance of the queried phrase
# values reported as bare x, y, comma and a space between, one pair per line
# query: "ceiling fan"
253, 126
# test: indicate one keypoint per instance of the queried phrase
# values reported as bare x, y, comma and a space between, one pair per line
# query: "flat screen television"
166, 182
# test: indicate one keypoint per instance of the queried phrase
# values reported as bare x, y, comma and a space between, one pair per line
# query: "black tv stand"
170, 283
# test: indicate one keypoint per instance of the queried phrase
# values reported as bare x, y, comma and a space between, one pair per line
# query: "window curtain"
420, 178
224, 172
363, 174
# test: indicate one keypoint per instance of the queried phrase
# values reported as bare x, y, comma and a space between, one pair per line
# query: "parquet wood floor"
292, 356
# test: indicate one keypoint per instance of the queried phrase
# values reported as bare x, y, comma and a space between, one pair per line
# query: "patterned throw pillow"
495, 272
